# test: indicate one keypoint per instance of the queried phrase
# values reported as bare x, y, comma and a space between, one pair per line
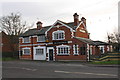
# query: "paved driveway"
38, 69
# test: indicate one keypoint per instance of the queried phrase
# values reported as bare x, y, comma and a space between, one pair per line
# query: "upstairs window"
41, 38
58, 35
26, 40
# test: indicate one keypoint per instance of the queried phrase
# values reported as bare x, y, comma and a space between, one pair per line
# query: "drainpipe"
32, 46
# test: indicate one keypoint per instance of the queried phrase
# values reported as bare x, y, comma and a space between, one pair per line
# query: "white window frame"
63, 46
23, 41
103, 49
58, 31
48, 53
75, 49
108, 48
24, 49
41, 40
91, 49
39, 54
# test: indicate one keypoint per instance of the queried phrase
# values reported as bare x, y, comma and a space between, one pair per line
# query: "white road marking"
100, 74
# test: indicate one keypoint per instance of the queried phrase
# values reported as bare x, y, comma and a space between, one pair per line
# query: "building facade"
60, 41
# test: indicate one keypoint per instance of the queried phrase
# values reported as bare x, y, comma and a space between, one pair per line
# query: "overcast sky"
101, 15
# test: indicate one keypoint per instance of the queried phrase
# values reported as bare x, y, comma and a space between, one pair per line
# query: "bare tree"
13, 24
113, 37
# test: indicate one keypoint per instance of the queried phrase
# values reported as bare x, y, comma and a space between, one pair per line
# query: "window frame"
42, 51
23, 40
83, 50
63, 50
38, 38
24, 51
102, 48
57, 33
74, 49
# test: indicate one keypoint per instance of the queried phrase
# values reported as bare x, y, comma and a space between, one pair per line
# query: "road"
38, 69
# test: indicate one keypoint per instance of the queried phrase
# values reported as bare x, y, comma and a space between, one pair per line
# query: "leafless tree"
13, 25
114, 37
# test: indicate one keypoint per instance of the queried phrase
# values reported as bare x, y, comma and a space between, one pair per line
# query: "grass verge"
8, 59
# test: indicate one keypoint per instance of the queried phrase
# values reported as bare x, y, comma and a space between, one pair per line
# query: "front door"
51, 54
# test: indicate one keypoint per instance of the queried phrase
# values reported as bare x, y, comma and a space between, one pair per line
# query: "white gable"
62, 24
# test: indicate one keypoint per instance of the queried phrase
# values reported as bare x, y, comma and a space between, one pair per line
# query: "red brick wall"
71, 56
81, 34
6, 43
26, 56
33, 40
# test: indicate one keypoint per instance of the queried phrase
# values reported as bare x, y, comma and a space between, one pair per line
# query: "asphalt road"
37, 69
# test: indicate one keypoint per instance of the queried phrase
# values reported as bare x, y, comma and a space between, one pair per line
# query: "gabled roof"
35, 31
85, 40
70, 24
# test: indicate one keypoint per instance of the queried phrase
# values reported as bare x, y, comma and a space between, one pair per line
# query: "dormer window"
26, 40
58, 35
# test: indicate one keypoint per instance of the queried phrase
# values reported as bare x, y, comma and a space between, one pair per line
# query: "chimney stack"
76, 19
39, 25
84, 20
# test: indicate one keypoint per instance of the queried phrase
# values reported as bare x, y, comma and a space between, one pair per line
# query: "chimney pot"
39, 25
84, 20
76, 19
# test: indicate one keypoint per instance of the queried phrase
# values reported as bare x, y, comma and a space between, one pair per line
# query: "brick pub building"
60, 41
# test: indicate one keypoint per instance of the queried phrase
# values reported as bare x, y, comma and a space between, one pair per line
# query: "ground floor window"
63, 50
102, 49
26, 51
75, 49
83, 50
39, 51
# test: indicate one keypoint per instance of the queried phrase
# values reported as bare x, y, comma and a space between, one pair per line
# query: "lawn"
8, 59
